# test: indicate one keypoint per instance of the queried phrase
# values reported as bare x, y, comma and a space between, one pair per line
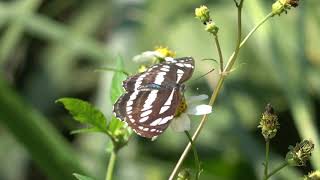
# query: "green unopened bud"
315, 175
281, 6
184, 175
203, 14
298, 155
212, 28
269, 123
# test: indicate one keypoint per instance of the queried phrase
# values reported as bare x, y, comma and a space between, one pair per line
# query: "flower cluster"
298, 155
313, 176
203, 14
281, 6
156, 56
269, 123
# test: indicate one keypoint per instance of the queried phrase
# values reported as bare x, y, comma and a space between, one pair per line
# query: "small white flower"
182, 122
148, 56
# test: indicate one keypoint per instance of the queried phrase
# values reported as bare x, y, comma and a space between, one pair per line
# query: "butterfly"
152, 97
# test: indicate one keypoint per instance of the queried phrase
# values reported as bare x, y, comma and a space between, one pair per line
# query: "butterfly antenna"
205, 74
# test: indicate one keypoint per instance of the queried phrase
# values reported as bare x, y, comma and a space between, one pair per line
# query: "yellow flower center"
181, 108
165, 51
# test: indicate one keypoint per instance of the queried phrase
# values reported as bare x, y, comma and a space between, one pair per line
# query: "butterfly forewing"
174, 71
184, 68
153, 96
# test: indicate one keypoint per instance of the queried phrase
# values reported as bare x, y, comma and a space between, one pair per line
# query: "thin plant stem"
248, 36
266, 163
195, 154
233, 57
219, 52
219, 85
277, 170
111, 165
198, 130
255, 28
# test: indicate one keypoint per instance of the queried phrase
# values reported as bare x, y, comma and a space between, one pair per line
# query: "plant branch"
216, 92
234, 56
250, 34
266, 164
198, 130
219, 52
111, 165
277, 170
255, 28
195, 154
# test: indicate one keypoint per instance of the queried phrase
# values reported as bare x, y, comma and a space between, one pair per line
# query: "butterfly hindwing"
148, 113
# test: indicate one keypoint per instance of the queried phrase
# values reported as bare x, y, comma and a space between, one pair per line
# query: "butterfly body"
153, 97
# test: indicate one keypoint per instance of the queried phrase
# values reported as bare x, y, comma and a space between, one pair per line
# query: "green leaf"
84, 112
86, 130
82, 177
117, 79
114, 125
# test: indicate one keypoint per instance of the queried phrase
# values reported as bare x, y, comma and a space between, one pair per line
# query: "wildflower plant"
87, 114
120, 134
298, 155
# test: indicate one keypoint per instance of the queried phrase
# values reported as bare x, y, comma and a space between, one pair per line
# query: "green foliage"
85, 113
116, 92
82, 177
117, 79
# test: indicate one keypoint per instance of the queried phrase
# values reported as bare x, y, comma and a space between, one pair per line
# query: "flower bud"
184, 175
281, 6
313, 176
269, 123
212, 28
203, 14
298, 155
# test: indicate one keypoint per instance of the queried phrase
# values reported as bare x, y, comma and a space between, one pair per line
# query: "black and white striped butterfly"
152, 97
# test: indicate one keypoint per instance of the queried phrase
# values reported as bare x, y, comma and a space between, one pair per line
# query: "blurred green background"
50, 49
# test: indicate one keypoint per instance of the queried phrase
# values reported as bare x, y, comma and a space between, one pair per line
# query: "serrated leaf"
118, 77
84, 112
114, 125
85, 130
82, 177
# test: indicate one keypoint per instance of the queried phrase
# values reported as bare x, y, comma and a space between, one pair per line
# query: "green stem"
256, 27
111, 164
15, 28
277, 170
247, 37
198, 130
195, 154
219, 52
266, 164
234, 56
215, 93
